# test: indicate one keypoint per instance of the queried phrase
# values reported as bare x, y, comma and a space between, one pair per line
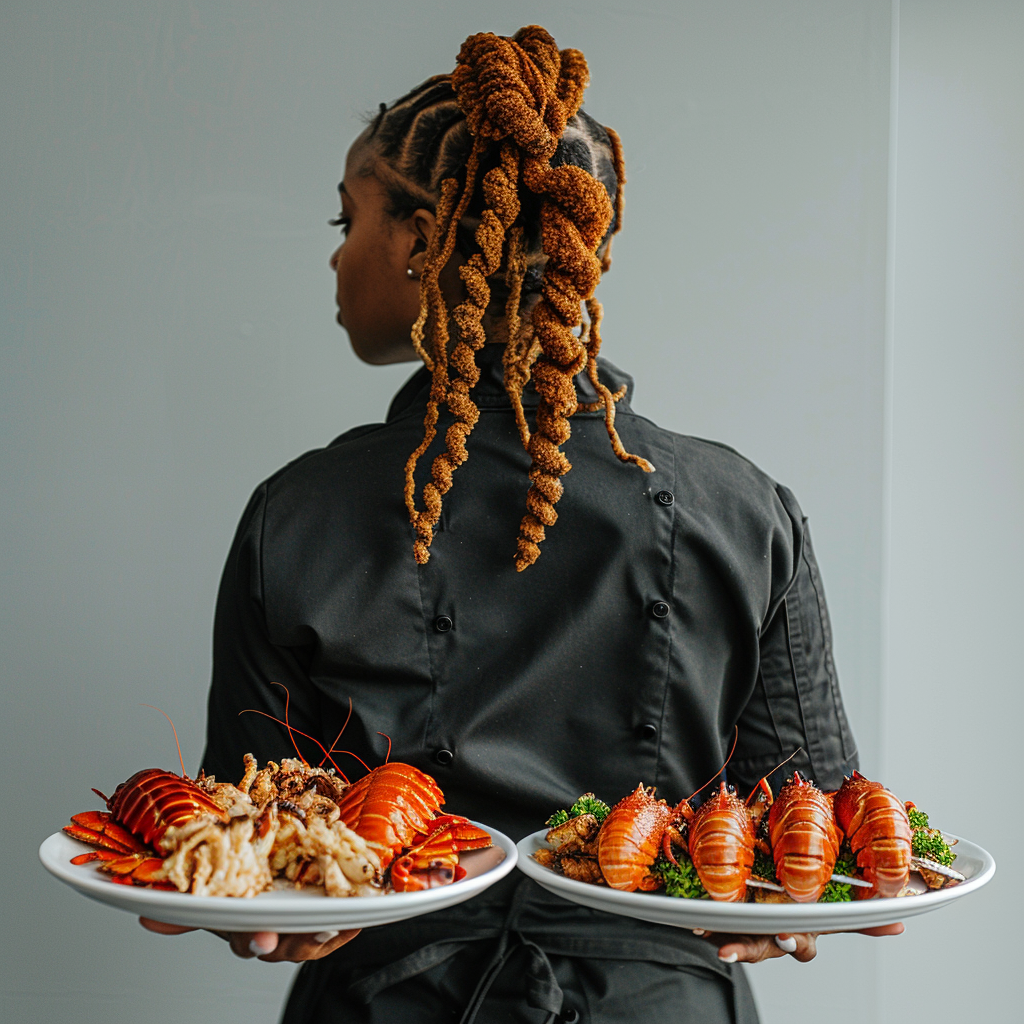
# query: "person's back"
531, 590
611, 661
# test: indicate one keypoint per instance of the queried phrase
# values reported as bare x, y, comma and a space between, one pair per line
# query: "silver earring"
409, 272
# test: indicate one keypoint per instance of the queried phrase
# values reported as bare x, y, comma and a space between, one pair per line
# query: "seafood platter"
291, 847
805, 860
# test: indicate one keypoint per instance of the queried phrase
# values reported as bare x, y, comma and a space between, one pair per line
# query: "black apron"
531, 958
666, 609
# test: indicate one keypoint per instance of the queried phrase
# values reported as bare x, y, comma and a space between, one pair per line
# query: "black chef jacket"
665, 610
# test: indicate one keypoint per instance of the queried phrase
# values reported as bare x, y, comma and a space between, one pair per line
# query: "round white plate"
758, 918
281, 910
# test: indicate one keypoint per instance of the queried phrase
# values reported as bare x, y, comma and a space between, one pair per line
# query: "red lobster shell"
630, 838
139, 813
804, 838
154, 800
434, 860
390, 806
720, 843
876, 825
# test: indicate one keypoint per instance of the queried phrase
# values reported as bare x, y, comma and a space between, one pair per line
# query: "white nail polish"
730, 959
786, 945
258, 950
323, 937
698, 931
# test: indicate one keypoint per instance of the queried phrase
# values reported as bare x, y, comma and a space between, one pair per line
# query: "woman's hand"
269, 947
752, 949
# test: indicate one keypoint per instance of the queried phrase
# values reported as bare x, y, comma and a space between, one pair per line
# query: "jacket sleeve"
796, 704
246, 667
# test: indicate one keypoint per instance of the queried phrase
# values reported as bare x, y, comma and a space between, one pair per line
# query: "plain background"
821, 267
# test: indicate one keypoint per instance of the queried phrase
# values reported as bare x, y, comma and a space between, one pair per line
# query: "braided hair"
502, 144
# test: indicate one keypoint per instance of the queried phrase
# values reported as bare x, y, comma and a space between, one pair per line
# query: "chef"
526, 587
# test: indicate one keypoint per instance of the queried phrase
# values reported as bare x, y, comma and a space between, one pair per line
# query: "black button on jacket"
665, 610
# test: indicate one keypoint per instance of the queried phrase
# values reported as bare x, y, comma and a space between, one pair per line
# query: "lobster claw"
428, 865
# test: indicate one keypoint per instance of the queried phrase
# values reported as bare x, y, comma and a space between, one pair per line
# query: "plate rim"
719, 916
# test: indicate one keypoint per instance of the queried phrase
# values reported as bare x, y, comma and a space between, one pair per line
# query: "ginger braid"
502, 197
575, 215
506, 108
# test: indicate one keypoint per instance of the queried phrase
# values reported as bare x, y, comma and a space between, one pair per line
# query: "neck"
495, 322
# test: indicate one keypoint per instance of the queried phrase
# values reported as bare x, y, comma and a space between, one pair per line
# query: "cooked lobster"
720, 842
394, 808
390, 806
804, 839
137, 816
630, 838
434, 859
877, 827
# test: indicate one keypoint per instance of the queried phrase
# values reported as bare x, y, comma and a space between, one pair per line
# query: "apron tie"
542, 989
417, 962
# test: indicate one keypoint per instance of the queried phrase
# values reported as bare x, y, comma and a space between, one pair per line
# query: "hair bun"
524, 88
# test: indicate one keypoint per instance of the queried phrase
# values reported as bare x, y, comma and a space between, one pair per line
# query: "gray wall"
168, 342
954, 680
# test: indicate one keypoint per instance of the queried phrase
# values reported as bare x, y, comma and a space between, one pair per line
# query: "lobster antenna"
175, 731
762, 783
287, 700
356, 756
732, 751
781, 763
387, 756
291, 728
340, 731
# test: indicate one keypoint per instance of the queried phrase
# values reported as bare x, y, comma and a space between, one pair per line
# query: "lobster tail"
721, 846
876, 825
390, 806
804, 839
630, 838
154, 800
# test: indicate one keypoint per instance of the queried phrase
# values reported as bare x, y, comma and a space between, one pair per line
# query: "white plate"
282, 910
758, 918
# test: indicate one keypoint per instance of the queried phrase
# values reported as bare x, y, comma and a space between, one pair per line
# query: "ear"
420, 226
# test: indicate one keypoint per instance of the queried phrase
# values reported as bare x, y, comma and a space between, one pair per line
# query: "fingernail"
698, 931
786, 945
262, 948
730, 959
323, 937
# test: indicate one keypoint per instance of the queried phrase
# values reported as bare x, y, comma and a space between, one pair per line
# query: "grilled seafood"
720, 842
208, 859
285, 822
731, 850
630, 838
389, 806
139, 814
434, 859
573, 849
877, 828
804, 839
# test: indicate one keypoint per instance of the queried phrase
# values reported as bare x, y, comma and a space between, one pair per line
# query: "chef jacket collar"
490, 390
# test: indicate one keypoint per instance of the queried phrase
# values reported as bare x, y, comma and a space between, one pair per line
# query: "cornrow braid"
502, 142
